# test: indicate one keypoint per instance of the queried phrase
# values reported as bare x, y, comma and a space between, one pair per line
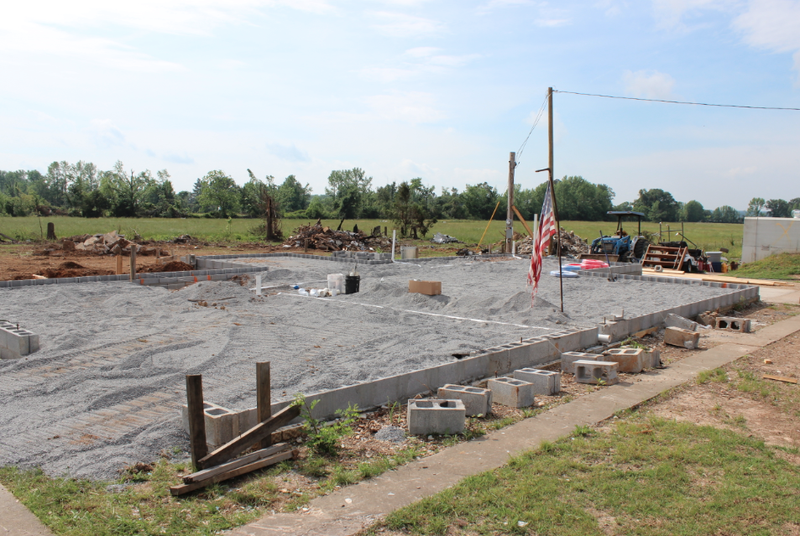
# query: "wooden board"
779, 378
247, 459
249, 468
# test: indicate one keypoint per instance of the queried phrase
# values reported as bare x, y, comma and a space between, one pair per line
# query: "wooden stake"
263, 397
133, 262
119, 264
305, 245
522, 220
197, 419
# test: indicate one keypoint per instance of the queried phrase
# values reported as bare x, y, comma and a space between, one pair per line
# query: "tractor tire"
624, 257
640, 247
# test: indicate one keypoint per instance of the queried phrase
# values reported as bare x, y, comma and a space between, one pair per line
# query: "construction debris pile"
326, 239
100, 244
440, 238
571, 244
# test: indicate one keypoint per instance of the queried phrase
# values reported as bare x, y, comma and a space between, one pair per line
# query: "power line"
536, 122
678, 102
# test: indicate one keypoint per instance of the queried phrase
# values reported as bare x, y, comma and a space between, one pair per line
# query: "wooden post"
119, 264
305, 245
133, 261
263, 397
51, 230
512, 164
553, 189
197, 419
158, 255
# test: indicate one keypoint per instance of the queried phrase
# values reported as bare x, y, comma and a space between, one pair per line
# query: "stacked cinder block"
441, 417
476, 401
596, 372
568, 359
16, 342
511, 392
545, 382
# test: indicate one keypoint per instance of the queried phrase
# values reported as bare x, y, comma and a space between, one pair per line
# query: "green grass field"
709, 236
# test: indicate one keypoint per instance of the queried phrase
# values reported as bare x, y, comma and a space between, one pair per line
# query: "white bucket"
336, 282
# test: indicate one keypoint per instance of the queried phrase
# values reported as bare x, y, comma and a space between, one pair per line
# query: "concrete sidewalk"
16, 520
353, 508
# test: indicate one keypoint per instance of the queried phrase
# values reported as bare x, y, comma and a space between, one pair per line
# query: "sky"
441, 90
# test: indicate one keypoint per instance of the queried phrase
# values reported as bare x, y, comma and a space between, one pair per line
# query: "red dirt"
172, 266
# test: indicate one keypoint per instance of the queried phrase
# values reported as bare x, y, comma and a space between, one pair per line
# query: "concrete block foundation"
16, 342
568, 360
440, 417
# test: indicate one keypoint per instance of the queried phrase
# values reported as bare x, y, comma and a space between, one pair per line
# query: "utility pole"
553, 189
512, 164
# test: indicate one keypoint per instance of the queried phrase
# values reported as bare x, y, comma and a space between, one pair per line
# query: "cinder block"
627, 359
441, 417
729, 323
568, 359
675, 321
682, 338
511, 392
476, 401
222, 424
587, 371
652, 358
545, 382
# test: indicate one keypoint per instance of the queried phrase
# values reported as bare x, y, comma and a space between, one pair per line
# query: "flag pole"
552, 187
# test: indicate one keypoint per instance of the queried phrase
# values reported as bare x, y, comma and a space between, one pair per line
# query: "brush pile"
326, 239
571, 244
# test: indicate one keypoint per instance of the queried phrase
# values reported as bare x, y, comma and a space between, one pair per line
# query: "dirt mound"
172, 266
69, 265
53, 273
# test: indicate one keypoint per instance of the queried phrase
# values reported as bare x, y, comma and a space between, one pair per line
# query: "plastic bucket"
336, 281
352, 284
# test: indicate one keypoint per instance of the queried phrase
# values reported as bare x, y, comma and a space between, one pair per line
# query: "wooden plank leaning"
182, 489
240, 444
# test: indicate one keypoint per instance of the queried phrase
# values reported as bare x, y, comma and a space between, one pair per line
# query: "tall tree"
657, 205
693, 211
756, 206
480, 200
219, 194
778, 208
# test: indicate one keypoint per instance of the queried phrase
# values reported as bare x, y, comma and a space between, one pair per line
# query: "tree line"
81, 189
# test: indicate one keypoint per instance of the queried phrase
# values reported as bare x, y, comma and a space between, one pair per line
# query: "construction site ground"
738, 400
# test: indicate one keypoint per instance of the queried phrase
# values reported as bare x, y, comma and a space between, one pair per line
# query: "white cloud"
673, 13
105, 133
411, 107
648, 84
418, 61
288, 152
79, 30
771, 24
402, 25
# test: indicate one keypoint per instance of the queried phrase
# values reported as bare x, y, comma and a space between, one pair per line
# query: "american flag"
547, 228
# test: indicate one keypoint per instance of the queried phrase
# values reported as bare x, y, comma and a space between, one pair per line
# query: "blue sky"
410, 88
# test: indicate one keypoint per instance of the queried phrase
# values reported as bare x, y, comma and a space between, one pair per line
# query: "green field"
708, 236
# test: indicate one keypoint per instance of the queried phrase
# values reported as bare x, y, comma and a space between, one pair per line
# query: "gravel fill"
104, 390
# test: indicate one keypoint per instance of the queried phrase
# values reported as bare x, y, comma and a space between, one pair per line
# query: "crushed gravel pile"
106, 386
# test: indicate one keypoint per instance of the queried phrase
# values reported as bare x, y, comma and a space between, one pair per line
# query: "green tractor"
621, 245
